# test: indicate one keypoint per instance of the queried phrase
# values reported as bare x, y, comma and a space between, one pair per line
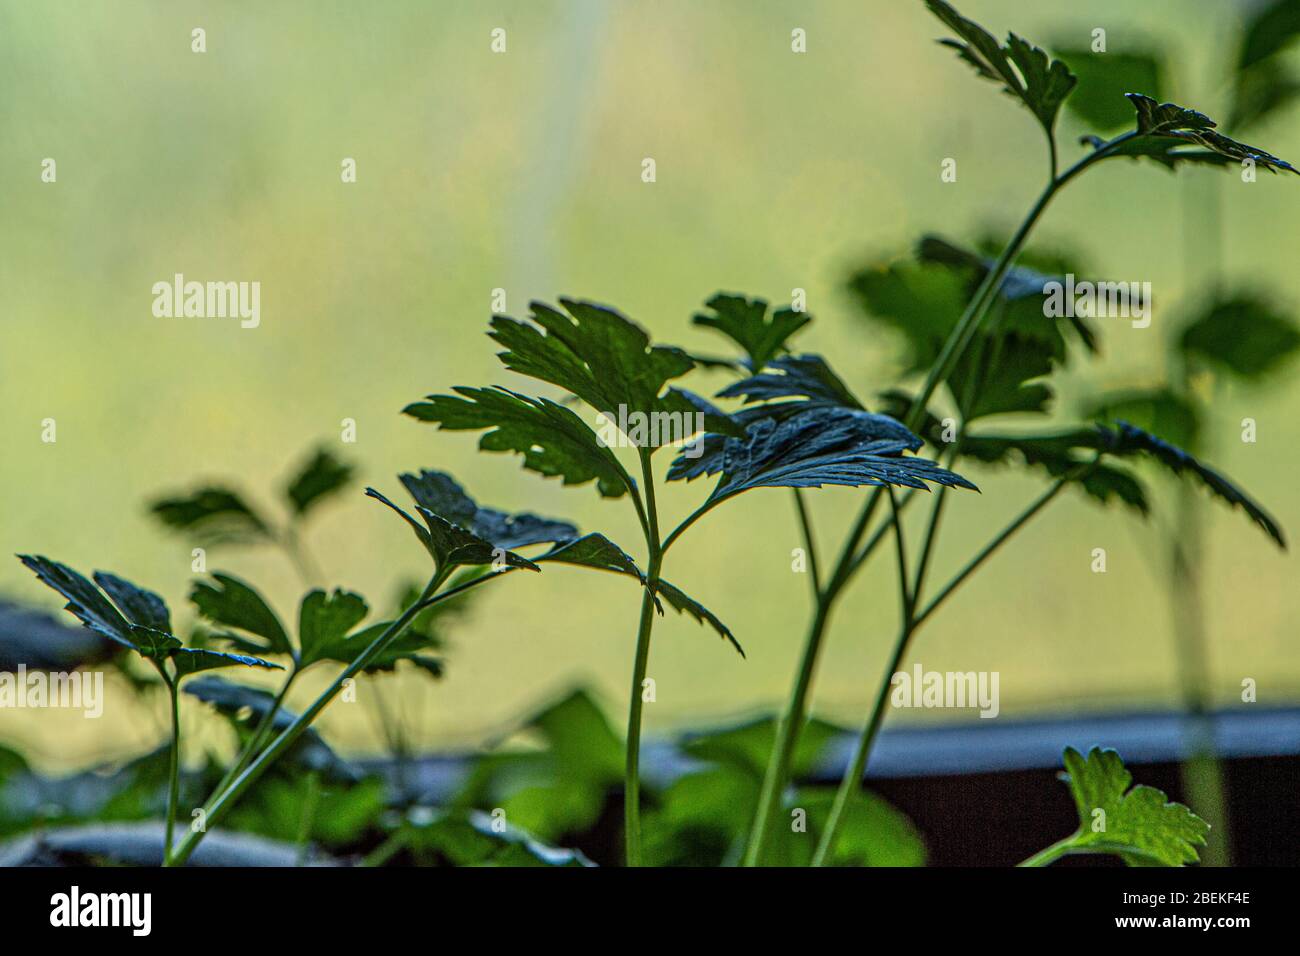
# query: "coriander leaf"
320, 477
1140, 825
794, 376
552, 438
819, 446
1243, 335
234, 603
140, 606
1023, 69
451, 545
439, 493
594, 352
1126, 439
598, 552
1157, 122
214, 515
189, 660
85, 601
325, 620
747, 323
1160, 410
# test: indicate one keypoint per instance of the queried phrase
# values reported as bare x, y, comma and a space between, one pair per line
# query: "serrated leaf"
190, 660
1001, 371
821, 446
1059, 453
1243, 335
600, 553
139, 605
806, 377
1024, 70
1126, 439
747, 323
449, 544
439, 493
213, 515
1160, 410
85, 601
553, 439
1141, 825
594, 352
1157, 122
325, 620
234, 603
133, 626
319, 478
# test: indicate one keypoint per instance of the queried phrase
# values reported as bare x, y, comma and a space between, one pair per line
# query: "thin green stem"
258, 737
174, 767
906, 596
308, 817
792, 719
998, 540
809, 542
912, 622
218, 805
632, 773
1052, 853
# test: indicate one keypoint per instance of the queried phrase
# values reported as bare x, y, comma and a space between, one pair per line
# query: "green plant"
604, 360
971, 352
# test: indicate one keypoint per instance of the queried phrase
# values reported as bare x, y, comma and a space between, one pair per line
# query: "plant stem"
258, 737
308, 816
912, 622
174, 768
792, 719
850, 782
219, 804
1052, 853
632, 773
1000, 539
809, 542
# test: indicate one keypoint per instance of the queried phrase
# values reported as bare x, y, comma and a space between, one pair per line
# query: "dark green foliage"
1002, 369
816, 447
747, 323
598, 552
1126, 439
456, 531
553, 439
133, 622
214, 515
1264, 82
1023, 69
322, 476
231, 602
1243, 335
1157, 123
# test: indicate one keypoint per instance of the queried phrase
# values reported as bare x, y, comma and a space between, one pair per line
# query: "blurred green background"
522, 171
